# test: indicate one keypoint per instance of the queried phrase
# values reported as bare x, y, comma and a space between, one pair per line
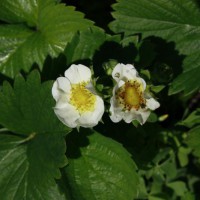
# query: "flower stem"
3, 129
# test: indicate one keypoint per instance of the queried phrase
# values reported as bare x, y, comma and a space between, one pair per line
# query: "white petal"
143, 116
116, 117
116, 112
90, 119
78, 73
152, 104
129, 116
60, 86
55, 91
91, 88
124, 72
67, 114
143, 83
119, 84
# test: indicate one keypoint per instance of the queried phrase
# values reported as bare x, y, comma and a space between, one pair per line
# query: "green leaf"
152, 118
28, 107
157, 88
188, 196
30, 160
100, 168
157, 197
84, 44
189, 79
173, 20
179, 187
18, 12
193, 140
43, 28
183, 154
28, 169
192, 120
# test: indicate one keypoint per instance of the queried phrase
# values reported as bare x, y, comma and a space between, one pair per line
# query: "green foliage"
28, 168
192, 120
35, 30
30, 106
31, 159
100, 168
193, 140
174, 20
84, 44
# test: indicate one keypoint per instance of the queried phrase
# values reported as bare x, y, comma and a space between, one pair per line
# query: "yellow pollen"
130, 95
81, 98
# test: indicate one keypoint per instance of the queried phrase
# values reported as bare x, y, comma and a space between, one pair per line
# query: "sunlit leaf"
43, 28
84, 44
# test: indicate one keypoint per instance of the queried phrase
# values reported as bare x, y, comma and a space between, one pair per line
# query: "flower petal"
124, 72
55, 91
143, 83
67, 114
130, 116
152, 104
119, 84
91, 88
116, 112
127, 74
140, 116
60, 86
90, 119
78, 73
143, 116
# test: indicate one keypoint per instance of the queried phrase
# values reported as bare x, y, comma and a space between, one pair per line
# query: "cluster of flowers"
78, 104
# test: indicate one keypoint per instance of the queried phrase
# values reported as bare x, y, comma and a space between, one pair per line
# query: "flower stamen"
130, 95
81, 98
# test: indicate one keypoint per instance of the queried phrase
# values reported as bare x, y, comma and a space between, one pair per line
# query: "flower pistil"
130, 95
81, 98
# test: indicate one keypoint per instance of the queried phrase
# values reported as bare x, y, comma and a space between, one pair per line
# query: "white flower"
130, 101
76, 101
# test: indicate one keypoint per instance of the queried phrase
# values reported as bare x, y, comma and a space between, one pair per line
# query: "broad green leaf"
100, 168
84, 44
43, 28
193, 140
30, 160
179, 187
189, 79
19, 11
192, 120
173, 20
28, 107
28, 168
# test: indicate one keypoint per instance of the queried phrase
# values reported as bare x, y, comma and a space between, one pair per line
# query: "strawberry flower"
130, 101
77, 104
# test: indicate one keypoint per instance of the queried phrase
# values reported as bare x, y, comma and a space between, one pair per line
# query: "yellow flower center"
81, 98
130, 95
